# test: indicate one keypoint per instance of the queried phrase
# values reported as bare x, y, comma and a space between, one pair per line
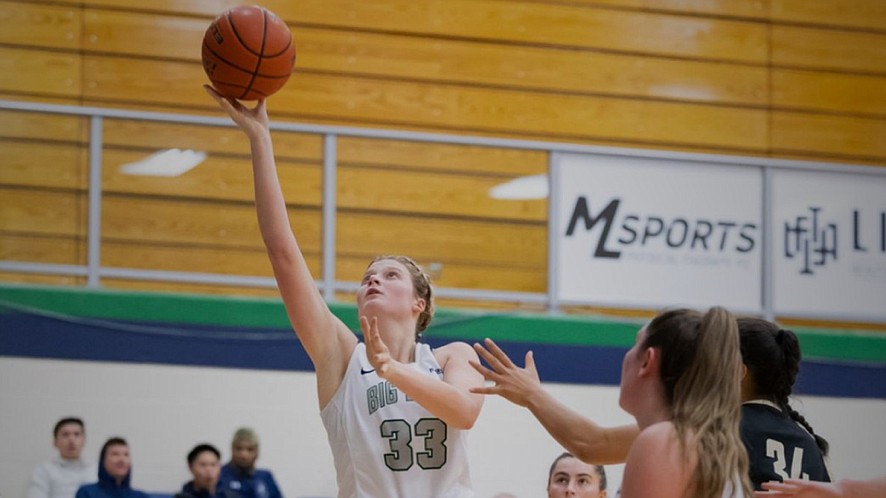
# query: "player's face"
69, 441
205, 469
117, 461
386, 287
244, 454
630, 367
574, 478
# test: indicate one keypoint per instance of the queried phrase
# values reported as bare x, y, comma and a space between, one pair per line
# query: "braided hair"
772, 355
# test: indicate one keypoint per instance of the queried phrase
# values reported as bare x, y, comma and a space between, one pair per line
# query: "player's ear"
419, 305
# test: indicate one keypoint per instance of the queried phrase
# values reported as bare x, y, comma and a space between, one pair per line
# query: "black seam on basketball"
278, 54
248, 71
264, 36
235, 85
237, 36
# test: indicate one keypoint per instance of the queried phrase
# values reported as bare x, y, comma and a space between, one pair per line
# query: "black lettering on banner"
702, 235
582, 212
682, 239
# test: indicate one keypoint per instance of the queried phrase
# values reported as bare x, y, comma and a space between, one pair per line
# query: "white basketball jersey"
388, 446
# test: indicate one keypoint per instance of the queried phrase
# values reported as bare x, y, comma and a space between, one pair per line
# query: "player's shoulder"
456, 350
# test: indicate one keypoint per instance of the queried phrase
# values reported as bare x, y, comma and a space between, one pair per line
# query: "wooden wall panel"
442, 60
868, 14
30, 71
190, 222
40, 25
302, 147
721, 8
227, 261
466, 110
29, 164
829, 136
43, 212
458, 274
441, 157
62, 250
524, 22
444, 240
834, 92
431, 194
43, 127
216, 179
832, 50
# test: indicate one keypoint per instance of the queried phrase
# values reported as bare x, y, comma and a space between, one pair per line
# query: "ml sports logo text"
645, 232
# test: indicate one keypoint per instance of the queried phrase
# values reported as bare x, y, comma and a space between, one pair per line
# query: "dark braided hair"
772, 355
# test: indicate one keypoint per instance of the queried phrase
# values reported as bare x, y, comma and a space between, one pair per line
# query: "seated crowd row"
71, 476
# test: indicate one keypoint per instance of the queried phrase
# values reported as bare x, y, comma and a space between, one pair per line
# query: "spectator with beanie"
241, 475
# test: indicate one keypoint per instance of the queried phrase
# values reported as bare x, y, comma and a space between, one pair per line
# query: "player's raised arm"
326, 339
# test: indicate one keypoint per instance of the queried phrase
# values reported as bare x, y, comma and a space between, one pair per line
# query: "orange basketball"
248, 53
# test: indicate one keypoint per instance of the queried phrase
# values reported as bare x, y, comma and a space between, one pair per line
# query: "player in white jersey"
409, 448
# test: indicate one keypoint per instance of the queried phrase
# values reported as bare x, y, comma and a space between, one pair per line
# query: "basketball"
248, 53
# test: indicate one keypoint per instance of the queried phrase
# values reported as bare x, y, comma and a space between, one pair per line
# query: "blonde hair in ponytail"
700, 371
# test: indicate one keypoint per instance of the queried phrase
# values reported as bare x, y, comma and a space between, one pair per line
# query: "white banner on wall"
830, 243
650, 232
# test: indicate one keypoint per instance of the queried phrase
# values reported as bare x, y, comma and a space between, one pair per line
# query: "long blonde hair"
700, 372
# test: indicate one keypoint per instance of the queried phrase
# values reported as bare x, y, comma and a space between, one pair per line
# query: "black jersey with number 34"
778, 447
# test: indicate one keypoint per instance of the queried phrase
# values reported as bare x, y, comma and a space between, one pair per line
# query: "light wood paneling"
835, 136
40, 25
63, 250
39, 126
448, 107
514, 21
870, 14
32, 71
442, 240
840, 93
227, 141
434, 194
833, 50
441, 157
461, 275
181, 258
218, 178
28, 211
40, 279
188, 222
34, 164
426, 59
212, 289
722, 8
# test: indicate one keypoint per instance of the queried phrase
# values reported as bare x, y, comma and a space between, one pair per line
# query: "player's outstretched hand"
798, 488
376, 350
252, 121
513, 383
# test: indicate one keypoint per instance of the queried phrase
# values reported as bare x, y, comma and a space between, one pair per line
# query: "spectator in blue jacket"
240, 474
204, 462
114, 473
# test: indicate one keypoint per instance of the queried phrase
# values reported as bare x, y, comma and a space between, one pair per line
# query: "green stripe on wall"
833, 344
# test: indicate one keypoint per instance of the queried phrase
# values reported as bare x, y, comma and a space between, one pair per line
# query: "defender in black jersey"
780, 442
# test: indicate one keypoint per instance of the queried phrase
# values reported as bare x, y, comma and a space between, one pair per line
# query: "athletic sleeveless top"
778, 447
387, 446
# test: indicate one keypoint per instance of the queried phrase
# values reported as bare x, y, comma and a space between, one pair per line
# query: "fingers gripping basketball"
248, 53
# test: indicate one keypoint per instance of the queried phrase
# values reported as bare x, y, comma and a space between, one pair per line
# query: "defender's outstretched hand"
513, 383
252, 121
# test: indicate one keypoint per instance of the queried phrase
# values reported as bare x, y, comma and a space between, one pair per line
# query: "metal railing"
93, 271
